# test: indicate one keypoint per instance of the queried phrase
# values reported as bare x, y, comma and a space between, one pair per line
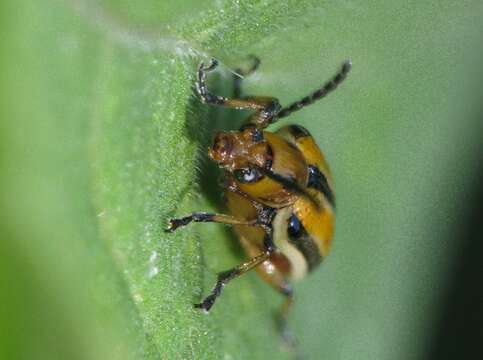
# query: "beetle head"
244, 149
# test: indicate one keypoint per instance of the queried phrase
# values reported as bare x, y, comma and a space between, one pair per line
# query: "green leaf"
102, 140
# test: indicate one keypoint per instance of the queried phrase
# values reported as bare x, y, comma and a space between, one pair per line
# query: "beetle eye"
257, 135
247, 175
295, 228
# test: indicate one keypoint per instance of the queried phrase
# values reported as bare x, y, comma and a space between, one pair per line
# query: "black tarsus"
203, 91
196, 217
223, 278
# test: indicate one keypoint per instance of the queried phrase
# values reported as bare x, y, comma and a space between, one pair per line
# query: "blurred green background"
102, 139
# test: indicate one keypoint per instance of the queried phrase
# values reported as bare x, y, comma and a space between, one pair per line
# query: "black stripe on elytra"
298, 236
289, 184
269, 162
298, 131
318, 181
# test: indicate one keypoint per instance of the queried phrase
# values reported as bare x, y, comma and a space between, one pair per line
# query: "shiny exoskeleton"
278, 189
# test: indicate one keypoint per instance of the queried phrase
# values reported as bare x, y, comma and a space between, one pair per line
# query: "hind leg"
270, 271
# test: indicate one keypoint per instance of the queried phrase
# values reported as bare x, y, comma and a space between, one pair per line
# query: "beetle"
277, 186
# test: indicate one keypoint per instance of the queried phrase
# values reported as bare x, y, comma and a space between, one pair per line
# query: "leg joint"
287, 290
268, 244
226, 276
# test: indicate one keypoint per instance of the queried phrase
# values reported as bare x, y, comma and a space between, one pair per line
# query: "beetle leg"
226, 276
273, 276
209, 217
240, 73
266, 107
319, 93
284, 288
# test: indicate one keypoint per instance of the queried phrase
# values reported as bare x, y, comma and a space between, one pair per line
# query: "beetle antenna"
328, 87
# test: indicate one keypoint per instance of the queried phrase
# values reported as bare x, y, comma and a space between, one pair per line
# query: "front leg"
266, 107
208, 217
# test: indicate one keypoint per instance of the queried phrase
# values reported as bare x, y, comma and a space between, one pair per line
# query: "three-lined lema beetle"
278, 189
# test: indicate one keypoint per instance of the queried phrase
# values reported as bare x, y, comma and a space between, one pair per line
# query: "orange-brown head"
244, 149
